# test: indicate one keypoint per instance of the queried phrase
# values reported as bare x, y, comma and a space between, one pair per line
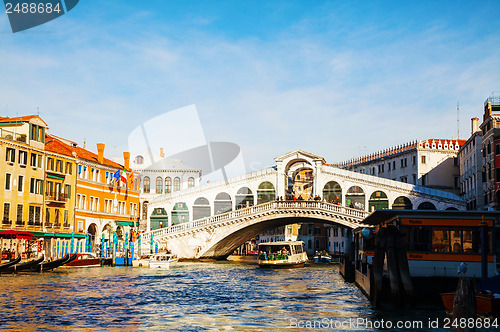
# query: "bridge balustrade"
358, 215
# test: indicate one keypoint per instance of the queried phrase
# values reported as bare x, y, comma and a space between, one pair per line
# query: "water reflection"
190, 297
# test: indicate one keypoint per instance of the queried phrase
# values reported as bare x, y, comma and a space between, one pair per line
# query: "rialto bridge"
212, 220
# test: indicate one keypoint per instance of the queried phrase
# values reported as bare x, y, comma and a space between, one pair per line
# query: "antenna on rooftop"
458, 121
38, 111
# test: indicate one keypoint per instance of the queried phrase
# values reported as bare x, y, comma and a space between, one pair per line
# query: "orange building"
103, 206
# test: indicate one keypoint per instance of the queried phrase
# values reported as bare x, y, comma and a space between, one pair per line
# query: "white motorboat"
163, 261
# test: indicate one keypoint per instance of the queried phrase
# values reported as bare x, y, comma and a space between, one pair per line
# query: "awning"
58, 177
11, 234
60, 235
125, 223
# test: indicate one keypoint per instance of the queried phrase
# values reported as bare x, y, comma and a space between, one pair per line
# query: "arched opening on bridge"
332, 192
378, 200
402, 203
355, 198
91, 233
244, 198
266, 192
180, 213
426, 206
299, 179
201, 208
451, 208
222, 203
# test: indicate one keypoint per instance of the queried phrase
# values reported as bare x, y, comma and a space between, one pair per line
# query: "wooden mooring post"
464, 304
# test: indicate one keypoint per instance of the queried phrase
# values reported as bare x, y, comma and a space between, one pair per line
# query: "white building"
471, 169
164, 176
432, 163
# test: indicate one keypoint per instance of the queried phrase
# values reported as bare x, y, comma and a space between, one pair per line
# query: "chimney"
126, 159
100, 153
162, 155
475, 125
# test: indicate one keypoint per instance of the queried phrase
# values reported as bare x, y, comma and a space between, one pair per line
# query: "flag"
130, 179
123, 176
117, 174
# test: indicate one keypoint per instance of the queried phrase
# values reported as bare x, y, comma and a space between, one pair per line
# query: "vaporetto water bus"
282, 254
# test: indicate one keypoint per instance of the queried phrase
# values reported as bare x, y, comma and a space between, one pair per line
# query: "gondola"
46, 266
26, 266
10, 263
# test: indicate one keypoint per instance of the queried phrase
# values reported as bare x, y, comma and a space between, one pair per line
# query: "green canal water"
200, 296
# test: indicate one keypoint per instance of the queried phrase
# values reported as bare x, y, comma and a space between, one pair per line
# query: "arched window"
190, 183
201, 208
244, 198
177, 184
378, 200
426, 206
222, 203
139, 160
168, 185
159, 185
332, 192
265, 192
146, 185
402, 203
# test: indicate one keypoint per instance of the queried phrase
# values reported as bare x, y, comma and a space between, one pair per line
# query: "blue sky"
336, 78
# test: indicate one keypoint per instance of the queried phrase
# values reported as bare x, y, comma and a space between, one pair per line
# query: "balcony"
66, 225
10, 135
6, 222
19, 223
56, 197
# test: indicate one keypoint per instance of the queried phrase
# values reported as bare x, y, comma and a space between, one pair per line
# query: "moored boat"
283, 254
163, 261
84, 259
486, 303
10, 263
46, 266
322, 258
142, 261
25, 266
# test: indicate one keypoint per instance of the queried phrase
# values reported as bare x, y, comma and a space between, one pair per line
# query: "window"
67, 190
38, 215
32, 185
39, 159
190, 182
414, 160
56, 217
455, 161
33, 160
47, 216
66, 218
139, 160
7, 181
10, 155
159, 185
20, 183
424, 180
39, 187
440, 240
50, 164
31, 215
423, 159
146, 187
37, 133
23, 157
177, 184
394, 165
68, 168
168, 185
6, 211
19, 219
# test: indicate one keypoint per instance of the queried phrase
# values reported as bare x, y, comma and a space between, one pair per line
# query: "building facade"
432, 163
490, 128
471, 169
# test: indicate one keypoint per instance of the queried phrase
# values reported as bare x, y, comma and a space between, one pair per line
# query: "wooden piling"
392, 265
403, 267
378, 265
464, 304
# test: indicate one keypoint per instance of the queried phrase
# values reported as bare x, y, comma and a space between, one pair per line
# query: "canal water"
197, 296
